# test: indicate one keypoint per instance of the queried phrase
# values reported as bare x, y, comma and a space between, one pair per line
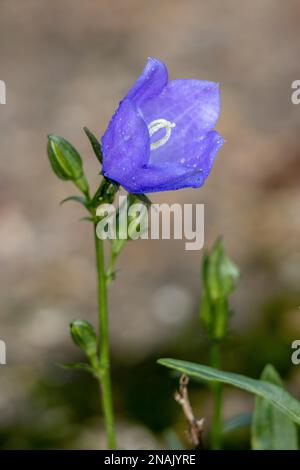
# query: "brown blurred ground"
66, 65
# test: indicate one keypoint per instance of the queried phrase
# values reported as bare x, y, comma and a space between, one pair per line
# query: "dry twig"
195, 425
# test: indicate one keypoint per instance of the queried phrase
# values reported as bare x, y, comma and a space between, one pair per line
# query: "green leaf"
272, 429
96, 146
80, 199
78, 366
273, 394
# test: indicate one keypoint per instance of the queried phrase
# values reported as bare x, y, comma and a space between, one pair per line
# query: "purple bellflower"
162, 135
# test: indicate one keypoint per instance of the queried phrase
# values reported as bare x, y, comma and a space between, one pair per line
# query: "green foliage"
219, 278
271, 393
271, 428
80, 199
95, 143
276, 411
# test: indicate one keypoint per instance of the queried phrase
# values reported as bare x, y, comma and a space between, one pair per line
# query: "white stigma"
155, 126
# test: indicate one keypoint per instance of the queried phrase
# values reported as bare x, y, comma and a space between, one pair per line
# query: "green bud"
66, 161
222, 274
84, 336
219, 278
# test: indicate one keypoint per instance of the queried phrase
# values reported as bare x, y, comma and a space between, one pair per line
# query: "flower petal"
125, 144
170, 176
150, 83
191, 106
201, 153
186, 100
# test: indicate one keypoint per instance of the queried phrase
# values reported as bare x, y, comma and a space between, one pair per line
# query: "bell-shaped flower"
162, 135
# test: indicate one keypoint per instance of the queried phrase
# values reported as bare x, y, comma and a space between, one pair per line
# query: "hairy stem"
104, 373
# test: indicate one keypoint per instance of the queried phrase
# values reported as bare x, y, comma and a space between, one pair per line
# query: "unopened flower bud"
219, 278
66, 161
84, 336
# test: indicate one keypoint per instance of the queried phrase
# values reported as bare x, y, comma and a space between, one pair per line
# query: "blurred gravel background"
66, 65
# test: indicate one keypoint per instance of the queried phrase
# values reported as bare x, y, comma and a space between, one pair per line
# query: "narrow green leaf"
96, 146
80, 199
273, 394
272, 429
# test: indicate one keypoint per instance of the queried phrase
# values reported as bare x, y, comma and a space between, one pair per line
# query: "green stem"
104, 374
215, 361
110, 268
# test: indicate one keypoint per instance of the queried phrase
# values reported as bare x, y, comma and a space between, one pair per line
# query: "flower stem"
104, 373
215, 361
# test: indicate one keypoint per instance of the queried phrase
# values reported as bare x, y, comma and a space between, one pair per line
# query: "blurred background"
66, 64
